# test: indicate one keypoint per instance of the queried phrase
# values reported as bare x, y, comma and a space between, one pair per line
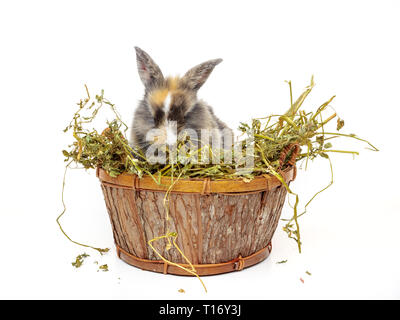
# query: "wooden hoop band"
199, 186
160, 266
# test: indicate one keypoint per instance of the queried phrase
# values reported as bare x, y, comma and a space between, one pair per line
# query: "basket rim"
264, 182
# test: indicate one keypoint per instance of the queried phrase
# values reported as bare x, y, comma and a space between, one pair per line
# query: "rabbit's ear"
149, 71
196, 76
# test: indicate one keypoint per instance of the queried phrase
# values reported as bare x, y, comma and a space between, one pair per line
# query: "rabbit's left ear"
149, 71
196, 76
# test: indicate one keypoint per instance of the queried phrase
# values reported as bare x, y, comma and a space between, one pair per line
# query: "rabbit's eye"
176, 113
159, 116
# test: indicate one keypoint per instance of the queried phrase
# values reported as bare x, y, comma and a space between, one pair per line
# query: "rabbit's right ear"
149, 71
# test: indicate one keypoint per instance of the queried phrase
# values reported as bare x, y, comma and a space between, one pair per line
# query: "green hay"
103, 268
100, 250
79, 260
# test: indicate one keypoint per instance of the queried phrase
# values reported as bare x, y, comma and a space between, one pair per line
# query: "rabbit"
170, 105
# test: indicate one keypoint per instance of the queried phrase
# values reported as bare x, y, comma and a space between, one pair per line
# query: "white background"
50, 49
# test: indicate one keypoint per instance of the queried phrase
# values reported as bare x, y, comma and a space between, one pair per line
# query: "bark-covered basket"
222, 225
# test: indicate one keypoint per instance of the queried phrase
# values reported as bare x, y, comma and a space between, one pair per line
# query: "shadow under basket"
222, 225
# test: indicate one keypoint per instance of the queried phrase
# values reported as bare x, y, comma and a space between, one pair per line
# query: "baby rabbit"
170, 105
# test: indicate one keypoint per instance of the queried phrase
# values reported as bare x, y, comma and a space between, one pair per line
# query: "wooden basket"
222, 225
